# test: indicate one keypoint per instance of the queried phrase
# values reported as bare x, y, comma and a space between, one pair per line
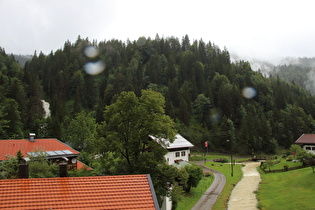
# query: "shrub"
207, 173
195, 175
286, 167
290, 158
221, 160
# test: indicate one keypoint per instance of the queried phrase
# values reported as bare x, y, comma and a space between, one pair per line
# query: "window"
177, 154
183, 153
308, 148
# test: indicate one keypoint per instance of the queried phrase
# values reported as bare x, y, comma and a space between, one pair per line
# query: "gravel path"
243, 196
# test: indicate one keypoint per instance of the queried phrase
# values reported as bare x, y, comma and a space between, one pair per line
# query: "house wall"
171, 156
309, 148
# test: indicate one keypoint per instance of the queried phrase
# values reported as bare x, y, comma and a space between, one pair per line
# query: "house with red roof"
307, 142
53, 149
98, 192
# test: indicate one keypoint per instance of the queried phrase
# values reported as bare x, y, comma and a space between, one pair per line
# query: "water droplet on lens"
215, 116
249, 92
94, 68
91, 51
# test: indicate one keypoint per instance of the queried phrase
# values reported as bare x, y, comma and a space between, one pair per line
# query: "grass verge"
223, 198
191, 198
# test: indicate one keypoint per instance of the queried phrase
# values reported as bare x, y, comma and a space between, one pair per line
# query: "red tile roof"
306, 139
11, 147
99, 192
81, 165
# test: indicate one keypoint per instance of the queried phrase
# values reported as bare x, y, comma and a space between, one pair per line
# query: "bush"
286, 167
290, 158
195, 173
207, 174
221, 160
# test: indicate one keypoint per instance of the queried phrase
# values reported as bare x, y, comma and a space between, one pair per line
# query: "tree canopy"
128, 124
202, 88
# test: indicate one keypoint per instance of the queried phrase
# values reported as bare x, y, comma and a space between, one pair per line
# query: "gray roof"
179, 142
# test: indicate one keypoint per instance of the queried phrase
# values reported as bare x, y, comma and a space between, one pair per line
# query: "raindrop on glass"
94, 68
249, 92
91, 51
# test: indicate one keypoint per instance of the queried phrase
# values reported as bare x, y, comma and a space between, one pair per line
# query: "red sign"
206, 143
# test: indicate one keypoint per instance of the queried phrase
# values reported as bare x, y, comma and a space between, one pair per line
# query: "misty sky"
261, 29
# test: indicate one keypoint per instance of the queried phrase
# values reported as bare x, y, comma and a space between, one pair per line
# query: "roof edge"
299, 138
67, 145
156, 203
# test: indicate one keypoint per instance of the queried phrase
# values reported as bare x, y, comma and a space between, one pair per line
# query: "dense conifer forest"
209, 97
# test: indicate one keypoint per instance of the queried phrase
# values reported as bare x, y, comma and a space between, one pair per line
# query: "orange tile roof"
11, 147
81, 165
99, 192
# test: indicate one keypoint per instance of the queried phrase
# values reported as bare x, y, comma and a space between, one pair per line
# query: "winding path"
208, 199
243, 195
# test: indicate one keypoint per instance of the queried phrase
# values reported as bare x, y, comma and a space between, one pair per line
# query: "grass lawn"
191, 198
223, 198
283, 162
287, 190
212, 156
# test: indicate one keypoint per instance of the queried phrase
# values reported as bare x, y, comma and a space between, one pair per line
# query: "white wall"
309, 148
170, 157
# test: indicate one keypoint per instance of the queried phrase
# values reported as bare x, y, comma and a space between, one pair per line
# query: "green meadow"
287, 190
277, 191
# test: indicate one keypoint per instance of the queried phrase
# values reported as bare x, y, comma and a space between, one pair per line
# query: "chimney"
23, 170
63, 169
32, 137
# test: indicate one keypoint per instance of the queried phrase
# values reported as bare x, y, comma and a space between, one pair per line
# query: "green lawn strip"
287, 190
191, 198
223, 198
211, 156
283, 162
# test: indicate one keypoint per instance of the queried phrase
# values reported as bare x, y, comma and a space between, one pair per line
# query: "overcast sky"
261, 29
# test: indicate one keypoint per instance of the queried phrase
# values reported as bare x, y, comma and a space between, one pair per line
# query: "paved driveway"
208, 199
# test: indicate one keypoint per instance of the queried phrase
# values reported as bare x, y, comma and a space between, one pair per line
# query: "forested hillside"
202, 88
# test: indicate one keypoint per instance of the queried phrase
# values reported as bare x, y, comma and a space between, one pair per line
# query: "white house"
307, 142
177, 150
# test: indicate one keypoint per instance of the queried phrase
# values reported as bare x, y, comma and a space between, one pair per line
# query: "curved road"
208, 199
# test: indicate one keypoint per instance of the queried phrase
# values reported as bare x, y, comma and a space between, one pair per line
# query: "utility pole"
206, 149
231, 152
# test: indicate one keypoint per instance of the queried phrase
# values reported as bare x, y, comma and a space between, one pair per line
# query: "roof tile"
101, 192
10, 147
306, 139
